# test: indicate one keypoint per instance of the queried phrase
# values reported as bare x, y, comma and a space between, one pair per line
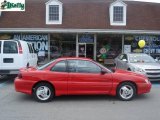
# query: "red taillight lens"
19, 75
20, 48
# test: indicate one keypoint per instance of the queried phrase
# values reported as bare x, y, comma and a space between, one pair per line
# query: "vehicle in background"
139, 63
79, 76
3, 76
15, 54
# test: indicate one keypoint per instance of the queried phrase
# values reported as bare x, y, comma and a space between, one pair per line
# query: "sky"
156, 1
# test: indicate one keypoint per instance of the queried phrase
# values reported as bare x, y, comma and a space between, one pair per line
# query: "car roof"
73, 58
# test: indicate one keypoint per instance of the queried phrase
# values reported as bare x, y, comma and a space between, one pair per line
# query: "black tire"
42, 95
126, 91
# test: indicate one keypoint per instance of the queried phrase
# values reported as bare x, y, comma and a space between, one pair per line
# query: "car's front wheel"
43, 92
126, 91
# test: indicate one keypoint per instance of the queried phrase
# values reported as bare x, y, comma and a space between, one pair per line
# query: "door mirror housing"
103, 71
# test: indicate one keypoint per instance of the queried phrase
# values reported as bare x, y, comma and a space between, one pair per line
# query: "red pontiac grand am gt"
79, 76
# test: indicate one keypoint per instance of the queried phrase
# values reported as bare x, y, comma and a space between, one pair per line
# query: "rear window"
0, 46
46, 65
10, 47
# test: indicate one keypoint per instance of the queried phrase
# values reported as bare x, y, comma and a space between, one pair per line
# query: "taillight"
19, 75
20, 48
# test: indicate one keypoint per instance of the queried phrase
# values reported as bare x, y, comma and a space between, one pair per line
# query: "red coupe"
79, 76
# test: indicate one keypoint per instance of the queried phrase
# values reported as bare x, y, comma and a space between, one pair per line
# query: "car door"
123, 62
85, 78
58, 75
118, 61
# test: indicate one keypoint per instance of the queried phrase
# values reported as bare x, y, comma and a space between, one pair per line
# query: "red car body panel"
66, 83
80, 83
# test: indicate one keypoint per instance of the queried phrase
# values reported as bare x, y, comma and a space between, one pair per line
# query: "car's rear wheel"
43, 92
126, 91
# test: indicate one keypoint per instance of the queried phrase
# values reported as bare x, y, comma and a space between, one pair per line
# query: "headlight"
139, 70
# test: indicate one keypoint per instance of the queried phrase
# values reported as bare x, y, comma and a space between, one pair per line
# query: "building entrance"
86, 46
86, 50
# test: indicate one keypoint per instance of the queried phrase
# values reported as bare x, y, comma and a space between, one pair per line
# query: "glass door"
82, 50
86, 46
90, 51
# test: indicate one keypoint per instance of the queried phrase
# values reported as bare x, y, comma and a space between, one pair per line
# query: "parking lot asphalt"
18, 106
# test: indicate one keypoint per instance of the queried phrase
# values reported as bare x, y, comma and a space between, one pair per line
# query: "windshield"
46, 65
140, 58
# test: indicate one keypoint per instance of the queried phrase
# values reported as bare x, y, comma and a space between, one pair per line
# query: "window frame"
48, 4
111, 13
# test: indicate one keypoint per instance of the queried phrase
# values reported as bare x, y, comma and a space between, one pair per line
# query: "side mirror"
103, 72
124, 60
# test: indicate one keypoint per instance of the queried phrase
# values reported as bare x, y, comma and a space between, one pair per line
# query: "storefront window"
39, 42
62, 45
152, 44
108, 47
6, 36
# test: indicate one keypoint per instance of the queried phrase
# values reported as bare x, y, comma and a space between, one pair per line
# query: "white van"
15, 54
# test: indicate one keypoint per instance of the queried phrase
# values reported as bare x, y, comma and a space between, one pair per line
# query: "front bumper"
144, 88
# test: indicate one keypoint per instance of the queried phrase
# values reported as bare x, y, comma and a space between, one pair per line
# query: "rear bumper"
9, 72
24, 86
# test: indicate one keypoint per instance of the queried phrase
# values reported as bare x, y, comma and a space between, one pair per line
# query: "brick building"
99, 29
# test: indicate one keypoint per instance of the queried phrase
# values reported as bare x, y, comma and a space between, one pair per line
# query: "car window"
83, 66
10, 47
59, 67
0, 46
123, 56
46, 65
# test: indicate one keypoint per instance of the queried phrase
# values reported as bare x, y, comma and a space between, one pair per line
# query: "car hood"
128, 73
146, 65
